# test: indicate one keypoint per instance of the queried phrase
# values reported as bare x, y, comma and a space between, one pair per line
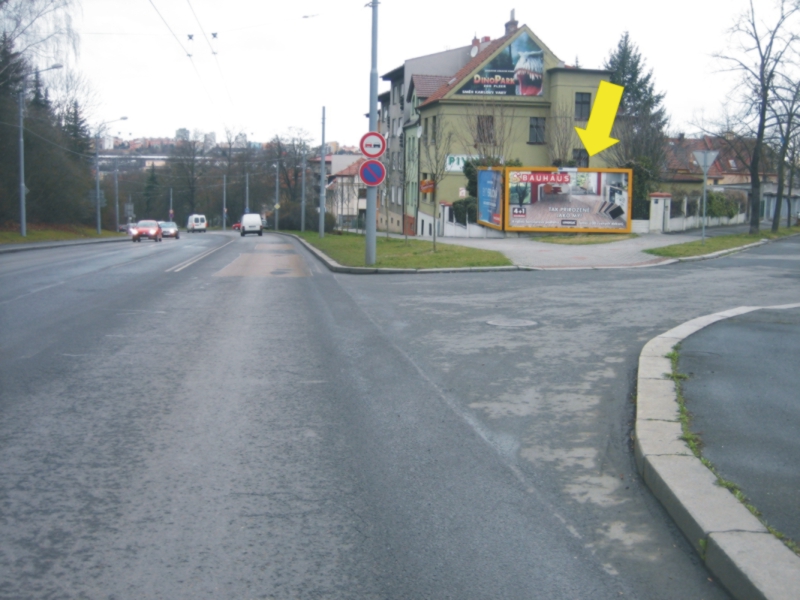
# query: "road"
219, 417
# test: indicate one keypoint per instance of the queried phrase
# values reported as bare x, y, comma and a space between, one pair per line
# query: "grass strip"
53, 233
718, 243
583, 239
696, 444
348, 249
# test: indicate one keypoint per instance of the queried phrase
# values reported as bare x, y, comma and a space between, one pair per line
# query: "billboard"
490, 198
517, 71
584, 199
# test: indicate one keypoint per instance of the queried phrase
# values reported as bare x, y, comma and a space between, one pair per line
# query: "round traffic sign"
372, 172
373, 144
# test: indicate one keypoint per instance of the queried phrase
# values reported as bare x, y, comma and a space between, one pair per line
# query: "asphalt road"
743, 393
251, 426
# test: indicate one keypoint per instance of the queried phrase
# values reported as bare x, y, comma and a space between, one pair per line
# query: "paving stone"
688, 491
655, 400
754, 565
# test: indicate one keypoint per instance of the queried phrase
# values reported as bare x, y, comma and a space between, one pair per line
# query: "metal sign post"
370, 254
705, 158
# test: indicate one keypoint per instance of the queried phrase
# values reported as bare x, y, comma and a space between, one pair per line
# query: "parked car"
147, 229
196, 223
263, 223
237, 226
169, 229
122, 227
251, 223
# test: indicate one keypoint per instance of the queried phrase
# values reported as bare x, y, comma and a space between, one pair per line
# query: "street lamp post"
277, 192
97, 169
303, 196
23, 225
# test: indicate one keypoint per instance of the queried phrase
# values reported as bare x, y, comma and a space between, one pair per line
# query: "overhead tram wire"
191, 60
213, 53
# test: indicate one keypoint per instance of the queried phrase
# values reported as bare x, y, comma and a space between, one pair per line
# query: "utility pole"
97, 178
224, 200
116, 193
277, 192
372, 191
322, 180
170, 204
23, 221
247, 193
23, 227
303, 195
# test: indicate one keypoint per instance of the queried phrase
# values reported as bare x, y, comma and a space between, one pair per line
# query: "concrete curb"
749, 561
48, 245
337, 268
728, 251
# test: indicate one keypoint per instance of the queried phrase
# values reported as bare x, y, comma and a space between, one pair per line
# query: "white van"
196, 223
251, 223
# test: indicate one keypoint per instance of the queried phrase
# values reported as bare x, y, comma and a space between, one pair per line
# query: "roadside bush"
289, 218
468, 206
718, 205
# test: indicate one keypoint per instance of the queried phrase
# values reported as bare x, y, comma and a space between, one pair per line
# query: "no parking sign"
372, 172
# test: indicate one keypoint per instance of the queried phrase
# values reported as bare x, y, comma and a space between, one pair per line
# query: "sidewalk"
527, 252
749, 434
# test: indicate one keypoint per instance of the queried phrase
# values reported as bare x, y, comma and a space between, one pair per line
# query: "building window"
536, 132
581, 157
583, 105
485, 129
433, 130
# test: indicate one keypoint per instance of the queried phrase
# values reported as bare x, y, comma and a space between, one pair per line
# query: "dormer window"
732, 163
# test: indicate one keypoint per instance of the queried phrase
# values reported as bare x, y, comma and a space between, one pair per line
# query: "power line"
170, 29
213, 52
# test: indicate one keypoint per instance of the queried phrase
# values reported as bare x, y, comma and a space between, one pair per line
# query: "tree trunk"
435, 214
776, 217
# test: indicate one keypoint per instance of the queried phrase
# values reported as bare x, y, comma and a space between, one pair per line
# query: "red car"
236, 226
148, 229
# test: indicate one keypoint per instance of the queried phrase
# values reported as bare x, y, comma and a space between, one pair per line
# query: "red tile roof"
350, 170
476, 62
426, 85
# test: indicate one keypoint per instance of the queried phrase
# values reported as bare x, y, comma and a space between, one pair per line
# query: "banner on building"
490, 197
586, 200
517, 71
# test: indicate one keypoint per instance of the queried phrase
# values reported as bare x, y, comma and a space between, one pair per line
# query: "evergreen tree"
76, 129
640, 124
150, 193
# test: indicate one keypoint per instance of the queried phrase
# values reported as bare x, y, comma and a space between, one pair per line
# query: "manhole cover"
501, 322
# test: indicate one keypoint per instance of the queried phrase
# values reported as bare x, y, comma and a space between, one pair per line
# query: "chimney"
476, 42
512, 25
681, 136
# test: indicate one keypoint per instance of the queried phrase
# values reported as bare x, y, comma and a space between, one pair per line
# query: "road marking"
188, 263
37, 290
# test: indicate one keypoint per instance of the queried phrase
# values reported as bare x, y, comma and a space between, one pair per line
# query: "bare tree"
39, 30
189, 167
560, 133
487, 130
435, 145
760, 52
785, 113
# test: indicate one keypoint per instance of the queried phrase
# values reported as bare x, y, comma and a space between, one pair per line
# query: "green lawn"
53, 233
722, 242
581, 239
348, 249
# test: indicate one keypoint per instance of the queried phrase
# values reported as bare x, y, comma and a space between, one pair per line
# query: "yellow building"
514, 100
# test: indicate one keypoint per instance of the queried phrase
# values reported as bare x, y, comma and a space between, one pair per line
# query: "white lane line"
188, 263
36, 291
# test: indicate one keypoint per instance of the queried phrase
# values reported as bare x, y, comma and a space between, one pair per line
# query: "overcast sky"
274, 69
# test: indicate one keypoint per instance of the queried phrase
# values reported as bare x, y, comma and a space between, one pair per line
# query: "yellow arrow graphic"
597, 135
